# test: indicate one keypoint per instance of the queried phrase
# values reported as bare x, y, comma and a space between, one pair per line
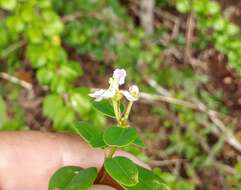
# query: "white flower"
119, 75
115, 81
133, 93
102, 94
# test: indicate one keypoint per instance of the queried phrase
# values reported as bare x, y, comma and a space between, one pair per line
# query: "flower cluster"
113, 92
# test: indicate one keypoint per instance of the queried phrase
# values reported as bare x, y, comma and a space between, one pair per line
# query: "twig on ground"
226, 168
77, 15
161, 163
147, 15
158, 88
199, 106
17, 81
176, 28
189, 39
12, 48
71, 17
168, 99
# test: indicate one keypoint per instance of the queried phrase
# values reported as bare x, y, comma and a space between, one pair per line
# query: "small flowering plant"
124, 172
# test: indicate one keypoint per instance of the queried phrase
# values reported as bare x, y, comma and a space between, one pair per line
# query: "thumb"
101, 187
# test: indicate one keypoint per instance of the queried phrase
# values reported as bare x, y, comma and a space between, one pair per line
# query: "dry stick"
161, 163
77, 15
12, 48
229, 137
212, 114
147, 15
71, 17
16, 80
199, 106
189, 39
166, 97
170, 17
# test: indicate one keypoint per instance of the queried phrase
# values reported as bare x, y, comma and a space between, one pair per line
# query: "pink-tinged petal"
133, 93
102, 94
97, 93
108, 94
99, 99
129, 96
120, 75
134, 90
114, 84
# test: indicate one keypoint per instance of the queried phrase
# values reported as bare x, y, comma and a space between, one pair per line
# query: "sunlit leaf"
148, 181
3, 115
51, 104
117, 136
138, 142
63, 176
72, 178
83, 180
8, 4
122, 170
91, 134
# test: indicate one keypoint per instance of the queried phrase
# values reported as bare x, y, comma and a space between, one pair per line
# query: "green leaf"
63, 176
53, 24
63, 118
45, 75
91, 134
123, 170
72, 178
183, 6
8, 4
3, 115
138, 142
213, 7
148, 181
232, 29
80, 103
70, 70
117, 136
59, 85
51, 105
37, 54
106, 108
84, 180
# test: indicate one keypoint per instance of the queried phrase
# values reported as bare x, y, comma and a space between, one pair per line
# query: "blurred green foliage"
235, 179
224, 35
38, 25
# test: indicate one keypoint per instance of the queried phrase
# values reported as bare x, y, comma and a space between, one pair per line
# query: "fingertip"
101, 187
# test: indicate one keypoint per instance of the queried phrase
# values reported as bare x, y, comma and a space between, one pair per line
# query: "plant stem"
128, 109
112, 152
116, 110
110, 155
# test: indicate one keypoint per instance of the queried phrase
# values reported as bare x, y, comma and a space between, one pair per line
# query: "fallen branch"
17, 81
12, 48
161, 163
189, 39
199, 106
147, 15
